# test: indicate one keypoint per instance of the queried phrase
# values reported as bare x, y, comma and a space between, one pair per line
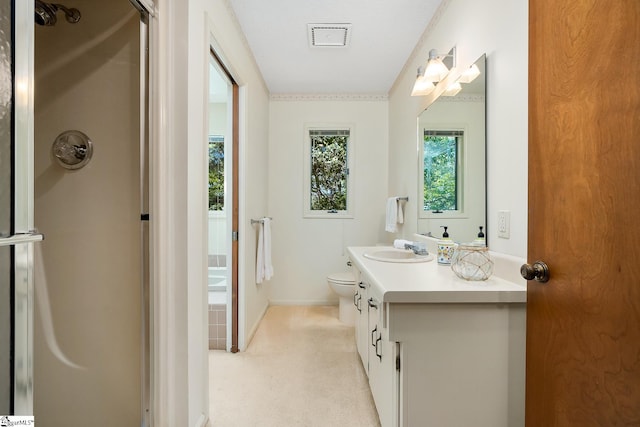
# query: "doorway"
222, 154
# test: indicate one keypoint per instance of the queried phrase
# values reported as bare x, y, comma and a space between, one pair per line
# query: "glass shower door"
6, 103
16, 208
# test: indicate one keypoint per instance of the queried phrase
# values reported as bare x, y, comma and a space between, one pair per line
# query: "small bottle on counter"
445, 248
480, 240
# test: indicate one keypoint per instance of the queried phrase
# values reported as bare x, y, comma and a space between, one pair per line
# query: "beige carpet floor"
300, 369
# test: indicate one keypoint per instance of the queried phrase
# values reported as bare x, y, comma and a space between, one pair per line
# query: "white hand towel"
392, 215
400, 216
260, 254
264, 268
399, 243
268, 267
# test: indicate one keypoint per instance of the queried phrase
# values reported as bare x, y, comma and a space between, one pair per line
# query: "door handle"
18, 238
376, 346
538, 271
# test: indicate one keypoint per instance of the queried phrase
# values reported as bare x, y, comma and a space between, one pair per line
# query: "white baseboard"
254, 328
302, 302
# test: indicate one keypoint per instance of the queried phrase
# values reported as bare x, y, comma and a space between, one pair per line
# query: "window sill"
443, 215
327, 215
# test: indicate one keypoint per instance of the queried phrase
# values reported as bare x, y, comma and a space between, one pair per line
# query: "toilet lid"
345, 277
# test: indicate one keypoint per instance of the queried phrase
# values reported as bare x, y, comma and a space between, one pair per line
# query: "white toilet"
343, 284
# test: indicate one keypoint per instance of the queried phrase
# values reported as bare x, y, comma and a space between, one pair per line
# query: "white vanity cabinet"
384, 374
379, 355
440, 351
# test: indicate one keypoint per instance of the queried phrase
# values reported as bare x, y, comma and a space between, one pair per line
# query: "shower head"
45, 13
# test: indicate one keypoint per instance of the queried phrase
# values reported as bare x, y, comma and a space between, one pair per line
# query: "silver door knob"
538, 271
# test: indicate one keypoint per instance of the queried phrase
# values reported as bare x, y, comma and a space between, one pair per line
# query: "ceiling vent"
329, 35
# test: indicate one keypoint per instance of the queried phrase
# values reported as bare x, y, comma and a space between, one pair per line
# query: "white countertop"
430, 282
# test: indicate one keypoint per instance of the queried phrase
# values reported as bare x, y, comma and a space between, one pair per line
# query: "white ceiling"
384, 33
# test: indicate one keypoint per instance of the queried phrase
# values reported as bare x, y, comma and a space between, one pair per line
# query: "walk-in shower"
92, 77
45, 13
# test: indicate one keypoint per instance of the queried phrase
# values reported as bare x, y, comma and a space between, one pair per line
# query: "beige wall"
498, 28
185, 33
185, 66
87, 78
227, 39
306, 250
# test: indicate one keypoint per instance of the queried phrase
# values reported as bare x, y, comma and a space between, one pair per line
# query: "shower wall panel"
87, 79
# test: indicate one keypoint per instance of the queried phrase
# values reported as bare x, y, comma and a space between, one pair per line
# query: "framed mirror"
452, 163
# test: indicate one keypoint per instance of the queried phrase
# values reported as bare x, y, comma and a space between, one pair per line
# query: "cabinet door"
362, 323
383, 376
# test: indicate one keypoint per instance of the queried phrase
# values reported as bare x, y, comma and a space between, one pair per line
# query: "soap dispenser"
480, 241
445, 248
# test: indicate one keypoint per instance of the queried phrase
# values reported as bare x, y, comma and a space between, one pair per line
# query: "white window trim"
306, 179
463, 186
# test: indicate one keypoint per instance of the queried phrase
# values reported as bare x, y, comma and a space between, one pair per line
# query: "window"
327, 180
216, 173
442, 172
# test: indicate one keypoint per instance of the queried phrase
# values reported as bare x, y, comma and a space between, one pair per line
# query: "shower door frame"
23, 235
147, 13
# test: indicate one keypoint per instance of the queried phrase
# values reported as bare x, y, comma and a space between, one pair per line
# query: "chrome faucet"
417, 248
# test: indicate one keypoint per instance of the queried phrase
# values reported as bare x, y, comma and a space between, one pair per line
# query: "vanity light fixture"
422, 86
469, 74
435, 70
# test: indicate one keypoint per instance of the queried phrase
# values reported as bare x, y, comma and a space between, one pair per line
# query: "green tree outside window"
440, 166
216, 173
329, 171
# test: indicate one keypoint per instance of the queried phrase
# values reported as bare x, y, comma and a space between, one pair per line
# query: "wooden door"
583, 326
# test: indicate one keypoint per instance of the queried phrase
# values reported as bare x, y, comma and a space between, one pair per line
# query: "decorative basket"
472, 262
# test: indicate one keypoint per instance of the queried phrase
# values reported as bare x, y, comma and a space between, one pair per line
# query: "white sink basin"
396, 255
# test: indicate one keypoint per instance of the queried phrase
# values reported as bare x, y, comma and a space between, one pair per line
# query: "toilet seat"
342, 278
